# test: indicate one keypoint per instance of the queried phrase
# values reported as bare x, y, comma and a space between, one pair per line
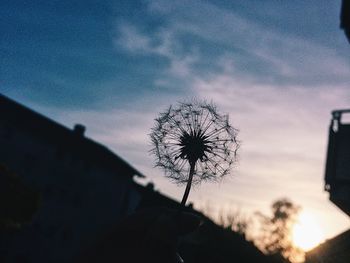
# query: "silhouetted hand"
150, 235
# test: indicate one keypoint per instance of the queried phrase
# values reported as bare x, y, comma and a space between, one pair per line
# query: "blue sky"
277, 67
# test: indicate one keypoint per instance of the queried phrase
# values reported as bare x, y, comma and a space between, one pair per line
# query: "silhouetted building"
335, 250
85, 188
337, 183
345, 18
337, 179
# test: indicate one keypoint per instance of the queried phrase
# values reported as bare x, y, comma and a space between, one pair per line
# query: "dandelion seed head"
194, 133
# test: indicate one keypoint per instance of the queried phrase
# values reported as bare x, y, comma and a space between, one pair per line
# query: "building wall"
80, 199
335, 250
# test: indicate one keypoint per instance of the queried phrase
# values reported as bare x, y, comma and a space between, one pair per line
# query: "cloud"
259, 51
283, 133
133, 40
162, 43
275, 119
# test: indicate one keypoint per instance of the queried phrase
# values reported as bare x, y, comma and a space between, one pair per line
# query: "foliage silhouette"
275, 236
213, 243
235, 221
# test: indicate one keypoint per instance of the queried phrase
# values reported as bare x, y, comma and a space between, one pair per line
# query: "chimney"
79, 129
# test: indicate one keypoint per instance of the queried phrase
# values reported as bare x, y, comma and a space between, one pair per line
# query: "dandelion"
194, 143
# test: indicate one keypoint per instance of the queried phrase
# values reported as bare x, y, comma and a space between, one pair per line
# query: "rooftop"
73, 141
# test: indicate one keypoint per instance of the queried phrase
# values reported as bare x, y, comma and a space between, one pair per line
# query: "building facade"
337, 178
84, 187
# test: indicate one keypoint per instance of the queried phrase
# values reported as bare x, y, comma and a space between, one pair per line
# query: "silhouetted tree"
275, 231
18, 202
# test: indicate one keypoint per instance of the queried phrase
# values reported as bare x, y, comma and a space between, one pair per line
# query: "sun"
306, 233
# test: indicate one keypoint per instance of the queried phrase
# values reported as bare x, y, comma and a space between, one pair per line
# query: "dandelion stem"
189, 183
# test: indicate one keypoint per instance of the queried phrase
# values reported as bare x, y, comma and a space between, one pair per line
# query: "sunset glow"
307, 233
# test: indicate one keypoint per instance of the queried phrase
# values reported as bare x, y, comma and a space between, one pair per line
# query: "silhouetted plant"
194, 143
234, 220
230, 218
276, 231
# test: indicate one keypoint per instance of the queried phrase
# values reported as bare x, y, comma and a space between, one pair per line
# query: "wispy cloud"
162, 43
279, 57
284, 136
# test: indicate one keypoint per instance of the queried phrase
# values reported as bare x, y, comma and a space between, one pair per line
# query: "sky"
278, 68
